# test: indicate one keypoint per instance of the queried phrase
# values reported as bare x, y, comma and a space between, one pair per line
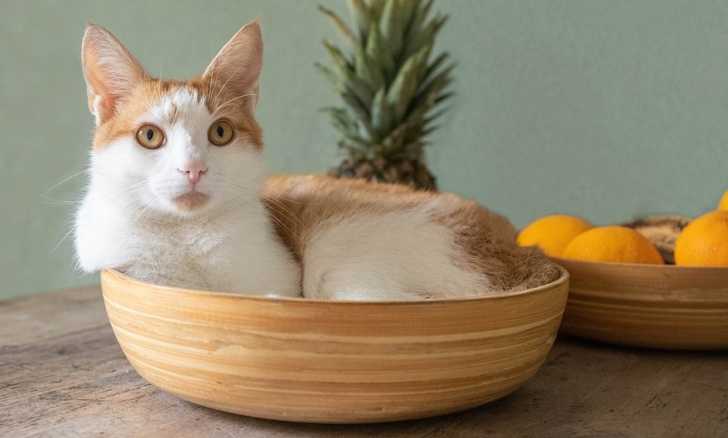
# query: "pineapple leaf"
435, 65
338, 56
427, 121
440, 76
405, 84
427, 99
347, 127
356, 106
407, 8
403, 89
381, 113
341, 118
443, 97
380, 53
393, 26
429, 130
429, 92
427, 35
339, 23
347, 76
329, 74
361, 16
367, 69
362, 113
418, 18
362, 91
375, 8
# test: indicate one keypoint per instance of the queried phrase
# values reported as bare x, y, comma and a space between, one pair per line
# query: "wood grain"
62, 374
653, 306
332, 362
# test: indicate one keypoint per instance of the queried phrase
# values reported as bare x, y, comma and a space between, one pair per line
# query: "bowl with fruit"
658, 282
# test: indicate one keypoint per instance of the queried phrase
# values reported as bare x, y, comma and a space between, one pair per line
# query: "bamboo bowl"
657, 306
332, 362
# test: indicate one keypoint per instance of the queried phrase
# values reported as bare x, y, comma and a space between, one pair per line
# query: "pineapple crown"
387, 81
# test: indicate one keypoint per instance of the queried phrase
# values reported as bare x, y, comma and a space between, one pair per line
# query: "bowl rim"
644, 266
561, 280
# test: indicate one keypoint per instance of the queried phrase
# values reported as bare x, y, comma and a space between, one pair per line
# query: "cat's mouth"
191, 200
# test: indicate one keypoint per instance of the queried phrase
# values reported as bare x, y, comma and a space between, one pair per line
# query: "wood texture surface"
332, 362
654, 306
62, 374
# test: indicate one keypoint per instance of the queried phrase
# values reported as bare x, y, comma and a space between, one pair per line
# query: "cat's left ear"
236, 67
111, 72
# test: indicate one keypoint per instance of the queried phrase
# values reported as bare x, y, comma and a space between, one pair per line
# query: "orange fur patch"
150, 91
300, 206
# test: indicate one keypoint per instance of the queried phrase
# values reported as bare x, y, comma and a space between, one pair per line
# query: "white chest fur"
232, 251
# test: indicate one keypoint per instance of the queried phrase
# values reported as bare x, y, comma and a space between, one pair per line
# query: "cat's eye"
220, 133
150, 137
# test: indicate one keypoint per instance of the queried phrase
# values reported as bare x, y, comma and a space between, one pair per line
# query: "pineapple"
390, 84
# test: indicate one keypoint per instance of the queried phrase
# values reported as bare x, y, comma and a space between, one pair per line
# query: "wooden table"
63, 375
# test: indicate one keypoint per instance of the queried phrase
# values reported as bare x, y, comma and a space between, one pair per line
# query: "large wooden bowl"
332, 362
658, 306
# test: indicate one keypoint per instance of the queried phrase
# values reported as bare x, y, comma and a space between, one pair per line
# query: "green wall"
602, 108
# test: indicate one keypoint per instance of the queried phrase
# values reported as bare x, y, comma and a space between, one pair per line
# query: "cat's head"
175, 147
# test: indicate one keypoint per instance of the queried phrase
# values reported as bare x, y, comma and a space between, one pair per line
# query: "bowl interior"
131, 281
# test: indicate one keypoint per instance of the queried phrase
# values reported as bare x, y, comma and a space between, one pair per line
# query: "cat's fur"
236, 231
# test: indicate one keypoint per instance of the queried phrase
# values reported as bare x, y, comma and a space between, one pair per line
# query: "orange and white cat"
178, 195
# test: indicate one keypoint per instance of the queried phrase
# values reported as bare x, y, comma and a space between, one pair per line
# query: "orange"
723, 205
552, 233
704, 242
613, 244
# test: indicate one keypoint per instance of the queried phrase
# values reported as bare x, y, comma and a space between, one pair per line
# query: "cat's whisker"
228, 102
65, 236
65, 180
211, 81
220, 91
51, 201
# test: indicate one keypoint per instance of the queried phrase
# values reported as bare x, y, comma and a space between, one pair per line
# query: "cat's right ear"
111, 72
238, 64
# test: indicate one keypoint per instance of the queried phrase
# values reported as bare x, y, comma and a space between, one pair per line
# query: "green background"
603, 108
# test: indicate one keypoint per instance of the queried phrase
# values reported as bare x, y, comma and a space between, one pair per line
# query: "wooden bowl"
333, 361
658, 306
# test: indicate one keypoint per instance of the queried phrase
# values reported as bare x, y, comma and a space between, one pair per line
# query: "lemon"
613, 244
552, 233
704, 242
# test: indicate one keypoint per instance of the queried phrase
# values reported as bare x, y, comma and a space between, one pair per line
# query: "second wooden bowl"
333, 362
658, 306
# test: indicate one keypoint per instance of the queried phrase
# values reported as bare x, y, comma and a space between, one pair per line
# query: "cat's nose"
194, 171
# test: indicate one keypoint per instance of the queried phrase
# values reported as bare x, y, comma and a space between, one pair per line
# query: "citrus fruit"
552, 233
723, 205
704, 242
613, 244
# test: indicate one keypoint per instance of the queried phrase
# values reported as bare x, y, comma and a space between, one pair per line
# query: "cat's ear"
111, 72
236, 67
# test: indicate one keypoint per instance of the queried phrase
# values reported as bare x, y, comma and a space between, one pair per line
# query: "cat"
178, 195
